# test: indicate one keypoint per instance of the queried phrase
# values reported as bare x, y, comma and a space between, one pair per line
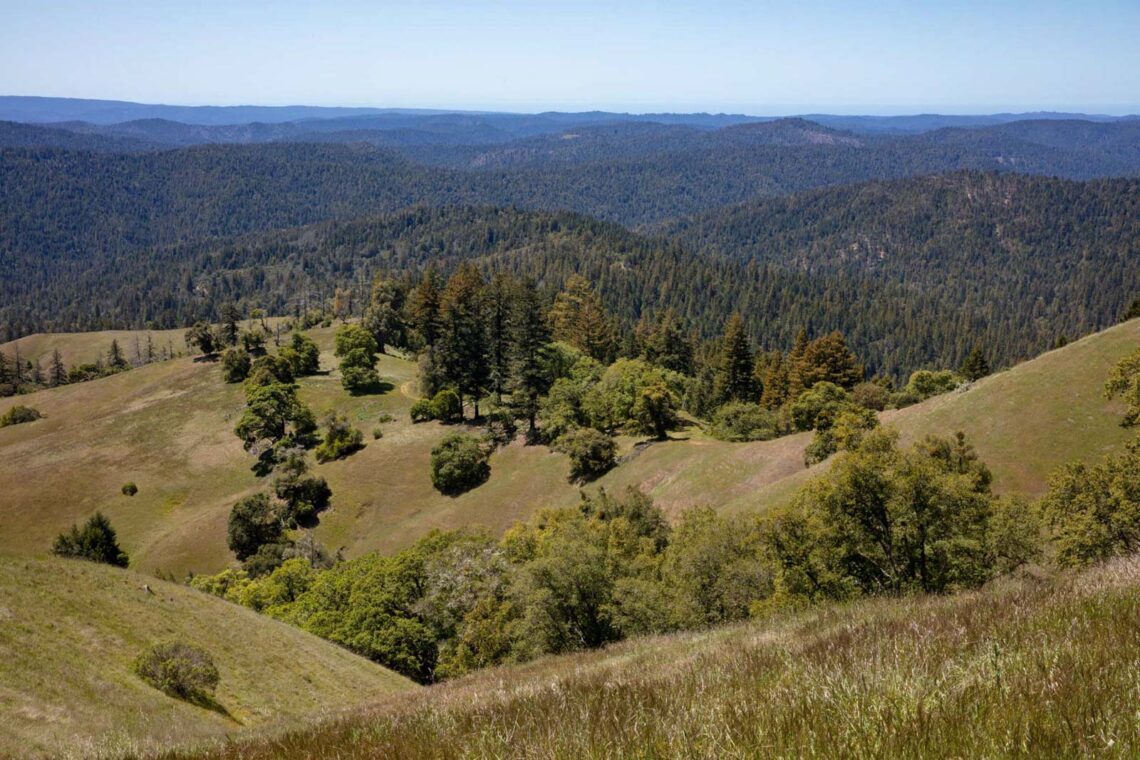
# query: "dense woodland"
1011, 262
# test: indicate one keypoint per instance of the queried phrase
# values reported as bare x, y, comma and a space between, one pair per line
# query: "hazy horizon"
724, 56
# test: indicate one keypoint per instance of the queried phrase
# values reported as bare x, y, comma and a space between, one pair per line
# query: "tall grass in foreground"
1035, 667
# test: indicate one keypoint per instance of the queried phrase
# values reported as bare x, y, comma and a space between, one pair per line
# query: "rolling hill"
70, 630
168, 428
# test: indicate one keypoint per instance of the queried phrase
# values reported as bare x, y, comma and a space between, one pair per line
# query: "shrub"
130, 489
385, 417
591, 453
871, 395
445, 406
741, 421
341, 439
179, 670
459, 463
926, 383
235, 365
377, 433
19, 414
95, 541
421, 411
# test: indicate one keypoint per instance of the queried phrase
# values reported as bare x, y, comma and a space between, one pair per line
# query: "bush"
341, 439
19, 414
926, 383
377, 433
871, 395
179, 670
421, 411
235, 365
591, 453
130, 489
740, 421
459, 463
445, 406
95, 541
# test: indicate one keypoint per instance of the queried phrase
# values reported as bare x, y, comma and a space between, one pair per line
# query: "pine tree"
975, 366
734, 380
462, 338
579, 318
530, 335
500, 295
775, 381
230, 330
115, 359
794, 363
668, 346
57, 372
828, 359
423, 306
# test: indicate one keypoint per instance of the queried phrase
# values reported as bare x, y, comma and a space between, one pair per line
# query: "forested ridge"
913, 272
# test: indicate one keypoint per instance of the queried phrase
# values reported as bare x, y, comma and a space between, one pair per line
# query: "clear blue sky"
716, 55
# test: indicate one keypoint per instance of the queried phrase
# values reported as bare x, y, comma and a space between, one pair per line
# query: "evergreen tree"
794, 362
95, 541
975, 366
201, 336
734, 380
115, 359
462, 339
827, 360
530, 336
1133, 310
500, 296
423, 306
579, 319
230, 330
668, 346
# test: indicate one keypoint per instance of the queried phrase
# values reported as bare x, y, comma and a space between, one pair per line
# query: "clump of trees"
182, 671
95, 541
357, 350
884, 520
19, 415
19, 374
341, 439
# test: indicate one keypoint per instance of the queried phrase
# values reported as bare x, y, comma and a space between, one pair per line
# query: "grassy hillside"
168, 428
70, 630
1035, 667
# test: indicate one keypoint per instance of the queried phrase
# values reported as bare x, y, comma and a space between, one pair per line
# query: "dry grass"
69, 631
167, 427
1035, 667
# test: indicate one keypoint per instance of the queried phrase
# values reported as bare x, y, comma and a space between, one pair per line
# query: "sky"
756, 57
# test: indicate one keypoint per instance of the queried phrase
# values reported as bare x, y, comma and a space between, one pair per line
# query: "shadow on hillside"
373, 389
207, 702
